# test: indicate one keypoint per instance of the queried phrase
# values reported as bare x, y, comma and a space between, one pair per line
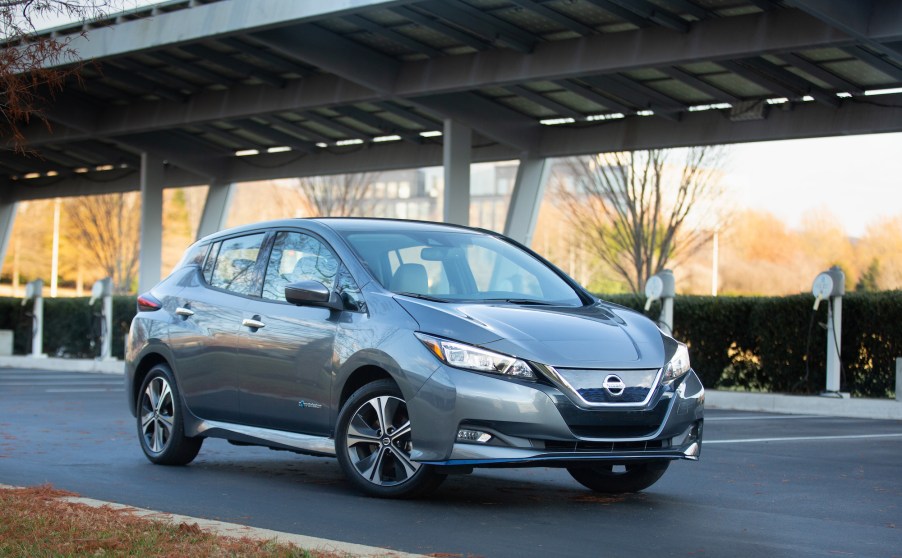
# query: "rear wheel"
160, 425
617, 479
373, 443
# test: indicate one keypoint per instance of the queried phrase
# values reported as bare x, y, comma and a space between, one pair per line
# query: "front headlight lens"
468, 357
678, 365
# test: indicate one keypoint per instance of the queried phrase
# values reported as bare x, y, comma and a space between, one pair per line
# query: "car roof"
349, 224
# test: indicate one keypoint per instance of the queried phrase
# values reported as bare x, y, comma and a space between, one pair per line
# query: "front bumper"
536, 424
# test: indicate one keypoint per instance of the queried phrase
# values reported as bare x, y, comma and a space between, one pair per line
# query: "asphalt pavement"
767, 485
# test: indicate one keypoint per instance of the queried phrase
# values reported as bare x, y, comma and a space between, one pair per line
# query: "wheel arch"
360, 377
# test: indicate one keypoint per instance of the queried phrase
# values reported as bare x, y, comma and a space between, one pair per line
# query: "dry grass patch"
34, 522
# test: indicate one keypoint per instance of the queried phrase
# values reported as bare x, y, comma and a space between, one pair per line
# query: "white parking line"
803, 438
81, 383
83, 390
769, 417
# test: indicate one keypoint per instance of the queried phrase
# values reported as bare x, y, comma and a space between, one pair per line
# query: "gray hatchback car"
409, 351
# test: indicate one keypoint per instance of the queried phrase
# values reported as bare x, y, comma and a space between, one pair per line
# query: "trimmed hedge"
745, 343
764, 344
67, 325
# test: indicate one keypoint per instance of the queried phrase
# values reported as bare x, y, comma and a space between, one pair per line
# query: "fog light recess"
473, 436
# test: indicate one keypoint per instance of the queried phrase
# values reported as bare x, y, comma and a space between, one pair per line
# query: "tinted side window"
234, 268
298, 257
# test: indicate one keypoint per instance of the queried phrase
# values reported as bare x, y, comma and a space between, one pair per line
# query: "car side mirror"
312, 293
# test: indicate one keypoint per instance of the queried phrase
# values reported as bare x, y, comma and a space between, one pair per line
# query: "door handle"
253, 324
182, 311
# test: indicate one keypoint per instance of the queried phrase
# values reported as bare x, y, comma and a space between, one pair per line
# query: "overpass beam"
523, 211
457, 143
216, 208
152, 177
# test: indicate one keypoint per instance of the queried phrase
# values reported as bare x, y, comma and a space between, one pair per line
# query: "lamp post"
715, 262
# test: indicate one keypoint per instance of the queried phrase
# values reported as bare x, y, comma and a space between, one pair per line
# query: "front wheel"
160, 424
373, 443
618, 479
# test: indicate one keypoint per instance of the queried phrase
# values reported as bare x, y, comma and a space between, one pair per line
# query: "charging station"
830, 286
662, 286
34, 290
103, 290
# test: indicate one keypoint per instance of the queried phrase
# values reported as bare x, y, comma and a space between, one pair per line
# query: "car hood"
600, 335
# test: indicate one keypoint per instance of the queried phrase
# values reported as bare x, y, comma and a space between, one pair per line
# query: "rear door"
206, 336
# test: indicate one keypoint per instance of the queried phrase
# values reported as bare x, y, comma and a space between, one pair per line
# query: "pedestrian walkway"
48, 381
63, 364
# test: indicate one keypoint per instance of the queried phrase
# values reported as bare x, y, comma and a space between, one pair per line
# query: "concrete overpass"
224, 91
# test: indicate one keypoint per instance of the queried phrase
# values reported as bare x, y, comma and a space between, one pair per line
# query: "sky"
857, 178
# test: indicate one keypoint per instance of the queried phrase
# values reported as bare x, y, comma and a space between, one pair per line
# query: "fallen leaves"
37, 521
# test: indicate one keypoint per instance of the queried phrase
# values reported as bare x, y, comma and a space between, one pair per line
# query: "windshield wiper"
523, 301
423, 297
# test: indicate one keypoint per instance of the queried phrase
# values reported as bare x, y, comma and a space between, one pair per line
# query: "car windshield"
459, 266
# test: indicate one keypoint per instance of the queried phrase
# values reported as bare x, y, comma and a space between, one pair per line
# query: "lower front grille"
605, 447
616, 431
601, 395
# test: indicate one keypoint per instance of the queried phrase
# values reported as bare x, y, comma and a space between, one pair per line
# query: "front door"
287, 350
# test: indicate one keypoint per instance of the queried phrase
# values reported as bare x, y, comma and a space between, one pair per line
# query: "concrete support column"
457, 138
523, 212
152, 176
7, 218
216, 208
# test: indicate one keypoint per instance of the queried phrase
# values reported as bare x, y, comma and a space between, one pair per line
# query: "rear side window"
194, 255
234, 266
211, 259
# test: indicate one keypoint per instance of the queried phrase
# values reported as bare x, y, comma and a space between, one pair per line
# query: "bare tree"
107, 229
339, 195
643, 209
33, 67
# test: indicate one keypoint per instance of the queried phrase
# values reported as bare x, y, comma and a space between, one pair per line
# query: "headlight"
678, 365
469, 357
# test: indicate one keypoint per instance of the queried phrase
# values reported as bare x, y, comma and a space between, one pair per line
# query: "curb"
63, 364
235, 530
880, 409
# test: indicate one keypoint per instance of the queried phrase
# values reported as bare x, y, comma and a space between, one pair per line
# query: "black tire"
375, 456
160, 425
606, 478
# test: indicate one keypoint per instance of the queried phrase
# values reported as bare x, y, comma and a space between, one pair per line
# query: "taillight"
148, 303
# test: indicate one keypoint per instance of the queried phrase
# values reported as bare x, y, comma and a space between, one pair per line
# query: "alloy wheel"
157, 414
379, 442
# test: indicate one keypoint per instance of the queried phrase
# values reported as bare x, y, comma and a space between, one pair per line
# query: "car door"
287, 350
205, 339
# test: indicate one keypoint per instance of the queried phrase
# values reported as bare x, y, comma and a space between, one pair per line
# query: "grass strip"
34, 522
